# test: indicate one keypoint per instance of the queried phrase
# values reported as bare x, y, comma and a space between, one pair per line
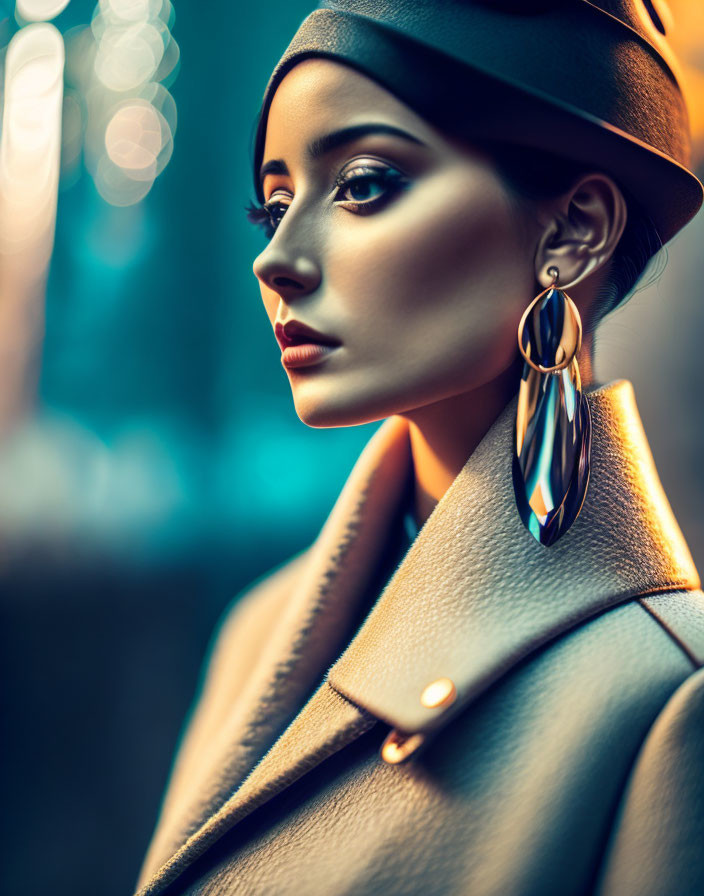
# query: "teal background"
157, 344
164, 467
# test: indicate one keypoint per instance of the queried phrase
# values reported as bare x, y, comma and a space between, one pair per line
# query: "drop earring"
553, 421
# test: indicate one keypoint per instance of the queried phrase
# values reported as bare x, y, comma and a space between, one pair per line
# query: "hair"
534, 174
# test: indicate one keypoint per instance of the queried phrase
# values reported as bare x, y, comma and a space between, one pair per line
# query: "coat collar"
474, 595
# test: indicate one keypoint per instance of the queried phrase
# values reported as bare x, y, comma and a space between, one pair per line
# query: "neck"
444, 434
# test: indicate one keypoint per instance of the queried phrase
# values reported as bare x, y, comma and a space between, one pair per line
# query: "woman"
521, 710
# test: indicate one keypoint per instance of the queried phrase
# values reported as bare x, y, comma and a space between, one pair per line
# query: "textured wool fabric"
575, 669
598, 85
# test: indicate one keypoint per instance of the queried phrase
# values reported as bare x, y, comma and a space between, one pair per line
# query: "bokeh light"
40, 10
131, 10
31, 140
133, 139
127, 57
116, 187
119, 66
30, 148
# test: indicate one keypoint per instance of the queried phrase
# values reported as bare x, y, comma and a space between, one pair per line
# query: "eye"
366, 188
268, 216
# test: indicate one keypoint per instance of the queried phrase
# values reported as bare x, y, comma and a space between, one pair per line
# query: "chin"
325, 416
322, 414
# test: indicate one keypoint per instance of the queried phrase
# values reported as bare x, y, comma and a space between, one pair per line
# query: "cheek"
441, 275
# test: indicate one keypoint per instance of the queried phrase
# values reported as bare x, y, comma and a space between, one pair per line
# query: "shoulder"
244, 626
655, 842
235, 644
681, 615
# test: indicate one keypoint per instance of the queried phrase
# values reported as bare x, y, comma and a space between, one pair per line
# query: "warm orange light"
685, 32
29, 170
397, 747
439, 693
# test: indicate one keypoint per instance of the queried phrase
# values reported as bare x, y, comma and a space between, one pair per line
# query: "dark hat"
597, 83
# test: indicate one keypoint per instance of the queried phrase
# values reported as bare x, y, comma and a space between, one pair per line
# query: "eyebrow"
335, 139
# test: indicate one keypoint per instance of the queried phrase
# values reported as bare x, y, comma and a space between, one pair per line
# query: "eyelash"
265, 216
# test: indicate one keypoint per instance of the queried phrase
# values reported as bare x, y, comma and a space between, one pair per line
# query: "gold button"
439, 693
398, 747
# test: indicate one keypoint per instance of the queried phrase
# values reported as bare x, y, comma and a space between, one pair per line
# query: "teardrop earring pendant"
553, 421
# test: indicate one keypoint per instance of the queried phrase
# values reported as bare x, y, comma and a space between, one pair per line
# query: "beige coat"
571, 760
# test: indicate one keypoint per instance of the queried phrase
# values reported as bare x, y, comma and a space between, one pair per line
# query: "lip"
305, 354
296, 333
302, 345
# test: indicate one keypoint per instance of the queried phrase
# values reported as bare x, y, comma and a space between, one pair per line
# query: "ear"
582, 230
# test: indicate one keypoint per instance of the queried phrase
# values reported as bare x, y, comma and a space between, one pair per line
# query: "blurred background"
144, 414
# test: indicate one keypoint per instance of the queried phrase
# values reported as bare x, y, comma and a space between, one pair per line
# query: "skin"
426, 289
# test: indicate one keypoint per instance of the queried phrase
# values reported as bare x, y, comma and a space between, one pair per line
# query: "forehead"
319, 95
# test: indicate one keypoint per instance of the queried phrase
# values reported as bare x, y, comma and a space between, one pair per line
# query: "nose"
287, 273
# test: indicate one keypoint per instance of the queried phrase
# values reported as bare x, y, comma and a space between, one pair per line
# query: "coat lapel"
477, 594
326, 724
301, 645
474, 595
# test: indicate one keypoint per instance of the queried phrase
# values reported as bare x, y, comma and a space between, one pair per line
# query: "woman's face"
399, 244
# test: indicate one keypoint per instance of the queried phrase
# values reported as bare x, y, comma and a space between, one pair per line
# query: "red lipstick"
302, 345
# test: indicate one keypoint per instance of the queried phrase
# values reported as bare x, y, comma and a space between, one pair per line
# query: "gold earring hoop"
570, 338
551, 459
